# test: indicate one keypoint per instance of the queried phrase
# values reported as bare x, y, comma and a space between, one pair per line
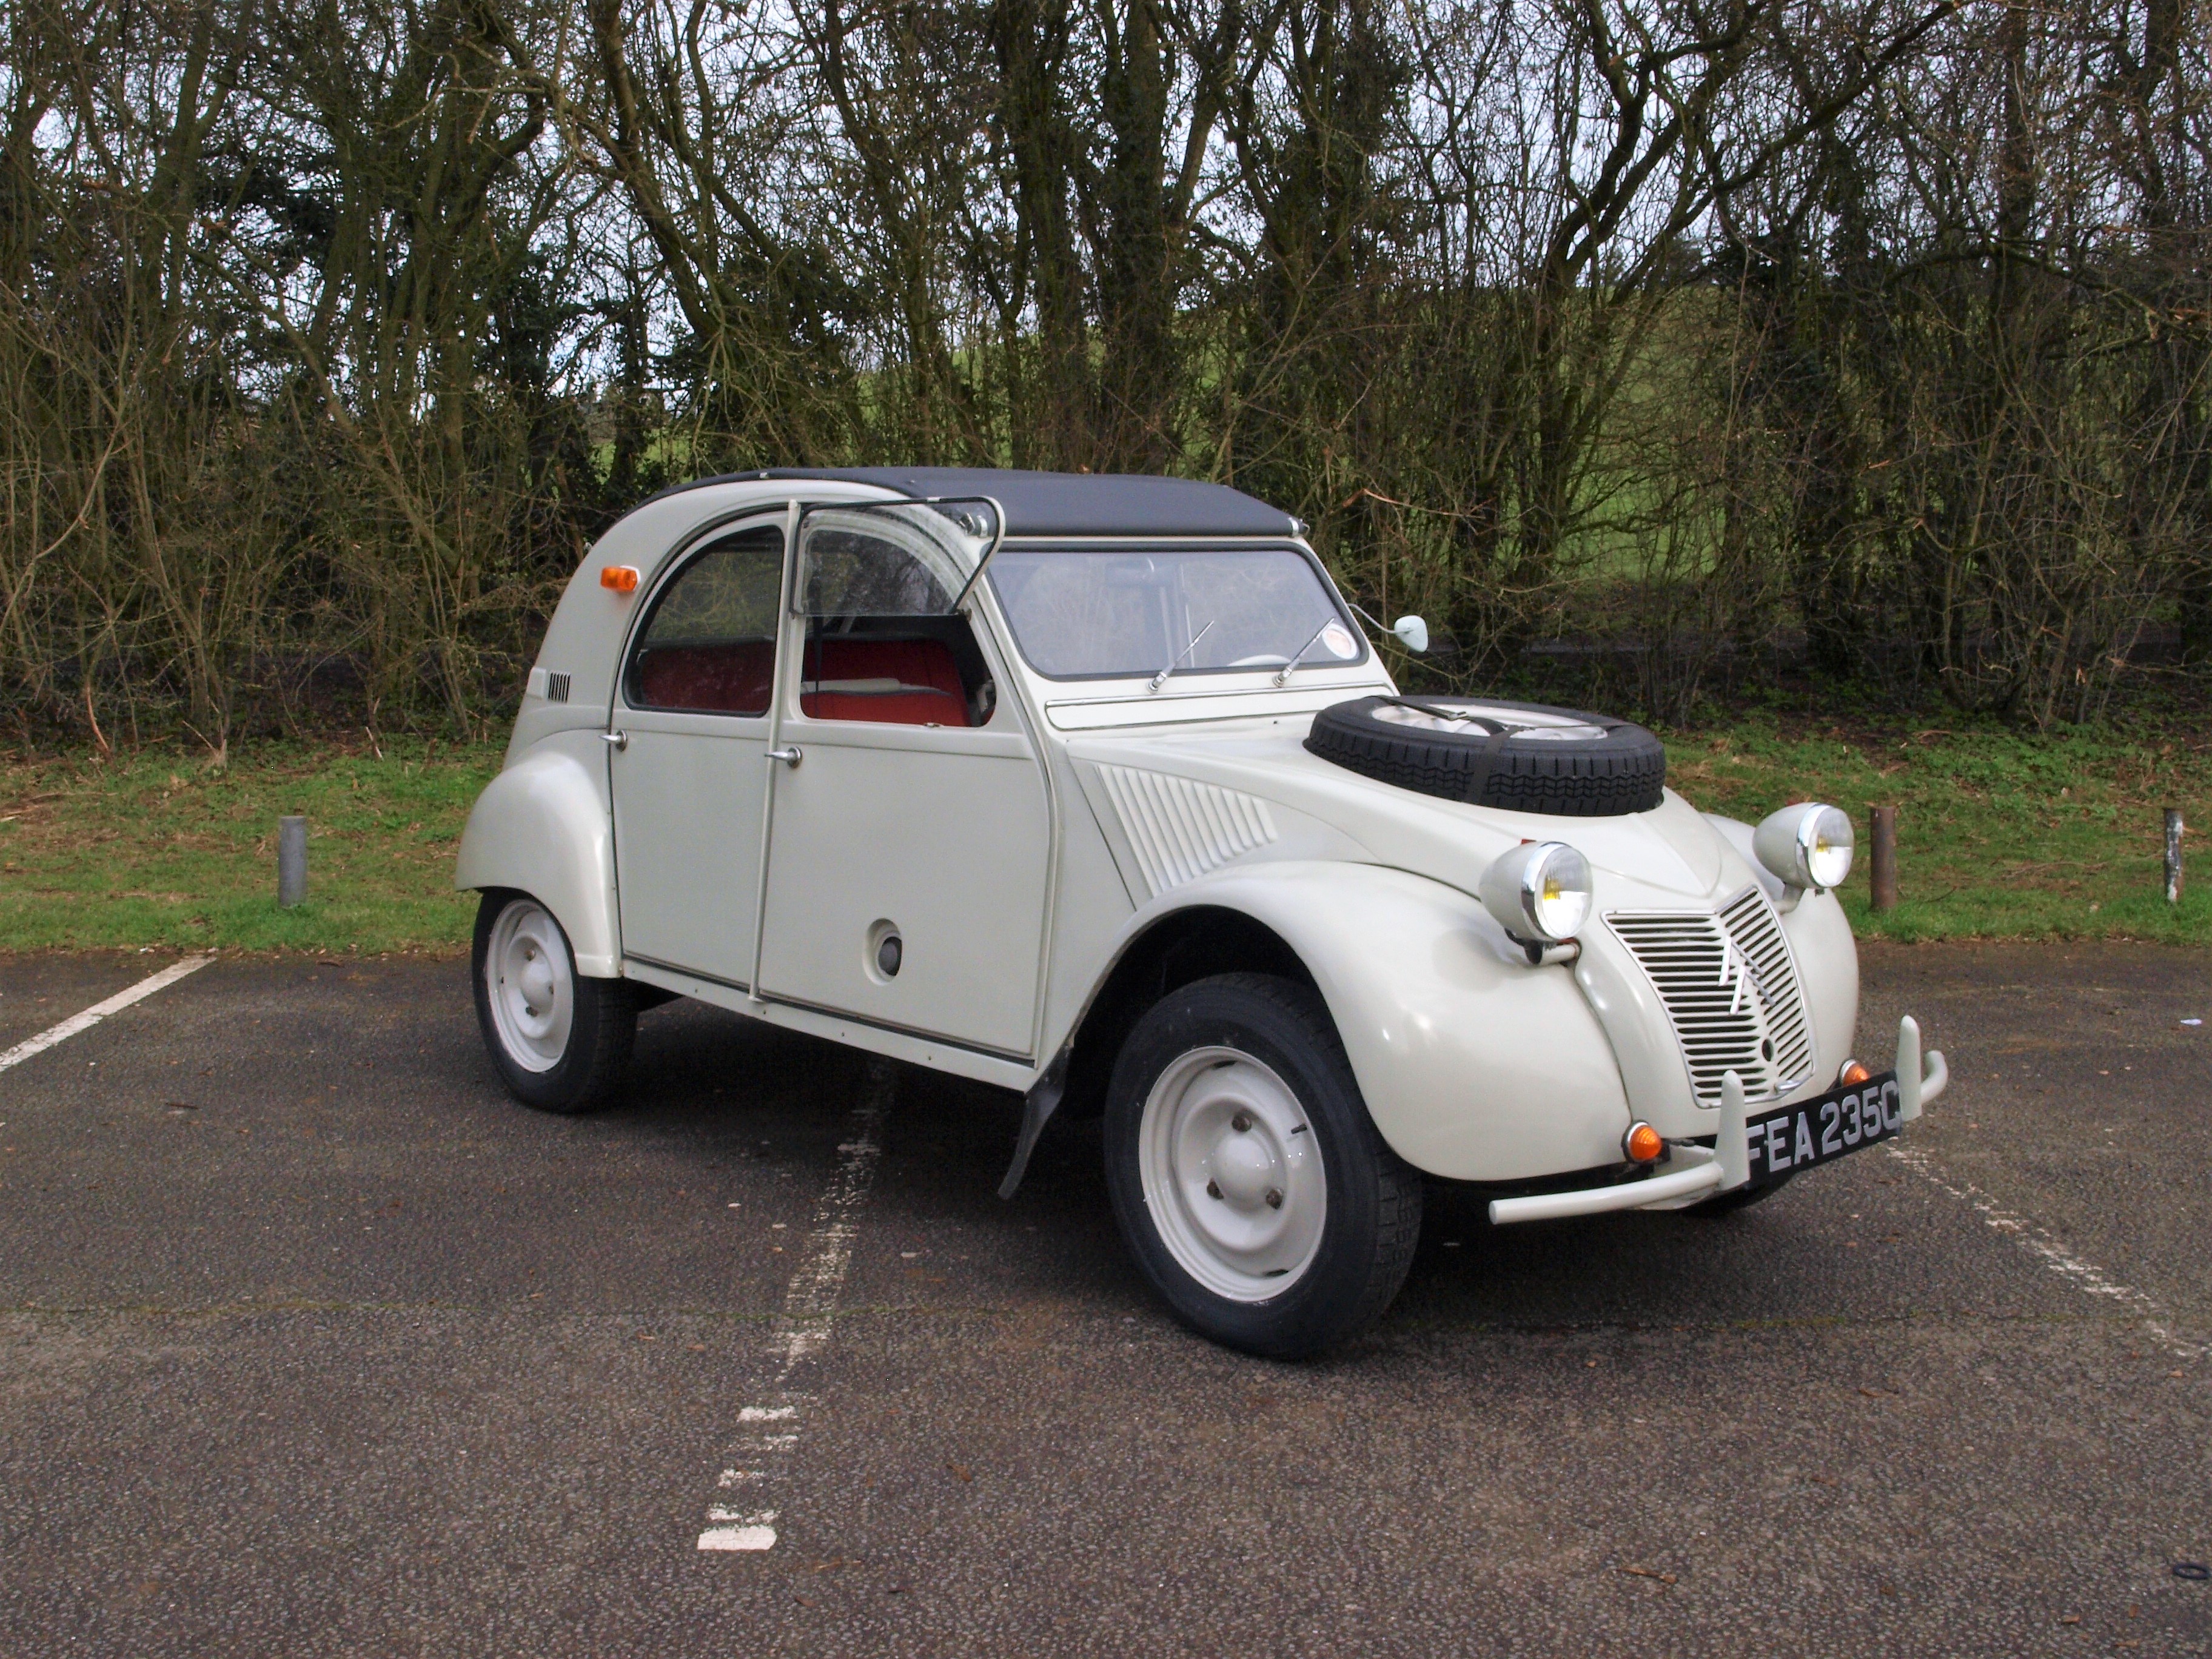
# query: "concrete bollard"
291, 862
1881, 864
2174, 828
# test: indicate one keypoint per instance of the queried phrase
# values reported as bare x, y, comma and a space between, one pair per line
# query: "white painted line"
809, 1305
738, 1538
2084, 1276
99, 1011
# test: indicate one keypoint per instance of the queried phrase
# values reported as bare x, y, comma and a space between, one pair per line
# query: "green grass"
154, 849
1999, 835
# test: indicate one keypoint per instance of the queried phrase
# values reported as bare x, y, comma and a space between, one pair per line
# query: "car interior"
903, 670
719, 676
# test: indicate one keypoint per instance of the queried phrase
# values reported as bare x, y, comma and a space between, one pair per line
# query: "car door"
910, 846
687, 763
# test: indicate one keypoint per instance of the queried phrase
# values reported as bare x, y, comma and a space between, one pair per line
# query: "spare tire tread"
1624, 772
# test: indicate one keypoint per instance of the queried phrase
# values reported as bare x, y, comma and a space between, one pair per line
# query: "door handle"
790, 754
614, 739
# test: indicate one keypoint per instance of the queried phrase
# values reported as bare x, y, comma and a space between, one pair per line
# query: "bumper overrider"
1758, 1148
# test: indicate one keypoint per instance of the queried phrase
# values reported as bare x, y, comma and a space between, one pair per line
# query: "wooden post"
2173, 855
1882, 868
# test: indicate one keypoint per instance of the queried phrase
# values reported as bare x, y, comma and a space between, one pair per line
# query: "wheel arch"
542, 827
1473, 1065
1167, 951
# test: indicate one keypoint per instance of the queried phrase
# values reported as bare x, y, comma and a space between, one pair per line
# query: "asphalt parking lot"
311, 1340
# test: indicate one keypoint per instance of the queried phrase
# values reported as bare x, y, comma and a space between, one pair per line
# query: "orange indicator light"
621, 578
1642, 1143
1852, 1072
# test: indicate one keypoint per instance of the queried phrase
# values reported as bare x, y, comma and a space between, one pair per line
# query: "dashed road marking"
810, 1309
2084, 1276
99, 1011
752, 1532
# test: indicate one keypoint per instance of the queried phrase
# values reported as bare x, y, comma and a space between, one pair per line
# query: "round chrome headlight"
1807, 845
1540, 890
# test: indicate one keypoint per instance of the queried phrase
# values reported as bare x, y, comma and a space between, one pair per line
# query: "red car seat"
893, 682
726, 677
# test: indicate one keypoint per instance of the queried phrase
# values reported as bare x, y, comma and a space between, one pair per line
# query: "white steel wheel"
1232, 1174
531, 985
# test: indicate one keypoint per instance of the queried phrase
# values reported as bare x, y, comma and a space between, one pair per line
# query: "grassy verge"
1998, 834
154, 849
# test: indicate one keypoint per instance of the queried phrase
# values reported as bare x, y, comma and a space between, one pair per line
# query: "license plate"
1835, 1125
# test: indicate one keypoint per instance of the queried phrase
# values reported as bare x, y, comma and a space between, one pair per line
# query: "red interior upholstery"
727, 677
928, 692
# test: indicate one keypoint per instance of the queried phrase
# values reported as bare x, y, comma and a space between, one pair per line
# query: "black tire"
1741, 1199
1372, 1219
603, 1023
1474, 750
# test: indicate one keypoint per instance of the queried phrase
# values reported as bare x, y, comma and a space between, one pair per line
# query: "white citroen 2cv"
1094, 789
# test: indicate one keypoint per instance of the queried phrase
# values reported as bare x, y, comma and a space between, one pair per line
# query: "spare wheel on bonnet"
1520, 757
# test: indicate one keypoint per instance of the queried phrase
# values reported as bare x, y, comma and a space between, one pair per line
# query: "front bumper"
1693, 1174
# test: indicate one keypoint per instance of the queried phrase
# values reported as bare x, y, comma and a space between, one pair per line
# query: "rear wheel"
1251, 1185
560, 1042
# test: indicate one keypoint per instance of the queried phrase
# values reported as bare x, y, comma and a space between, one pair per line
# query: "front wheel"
560, 1042
1251, 1185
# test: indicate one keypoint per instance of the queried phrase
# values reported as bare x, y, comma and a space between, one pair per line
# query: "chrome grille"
1731, 989
556, 687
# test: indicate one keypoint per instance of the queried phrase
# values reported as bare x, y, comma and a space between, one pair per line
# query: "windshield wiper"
1283, 677
1160, 678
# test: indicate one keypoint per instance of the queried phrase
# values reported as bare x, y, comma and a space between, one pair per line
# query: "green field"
1999, 835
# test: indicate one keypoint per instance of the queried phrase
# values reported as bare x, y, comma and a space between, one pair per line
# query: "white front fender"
1475, 1067
542, 827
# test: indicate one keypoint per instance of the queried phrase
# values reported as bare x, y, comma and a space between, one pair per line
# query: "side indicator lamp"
1853, 1072
619, 578
1642, 1143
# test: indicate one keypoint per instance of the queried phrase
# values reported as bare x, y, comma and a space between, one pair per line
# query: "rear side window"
708, 645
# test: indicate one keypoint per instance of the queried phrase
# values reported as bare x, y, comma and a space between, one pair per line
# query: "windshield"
1110, 614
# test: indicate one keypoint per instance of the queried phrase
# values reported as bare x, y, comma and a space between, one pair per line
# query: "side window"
857, 570
882, 643
708, 645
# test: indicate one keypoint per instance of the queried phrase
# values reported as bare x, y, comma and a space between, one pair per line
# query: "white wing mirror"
1412, 631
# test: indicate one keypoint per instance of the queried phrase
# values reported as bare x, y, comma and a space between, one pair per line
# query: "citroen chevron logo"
1738, 977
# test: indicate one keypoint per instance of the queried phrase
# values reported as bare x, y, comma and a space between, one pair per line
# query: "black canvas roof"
1068, 503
